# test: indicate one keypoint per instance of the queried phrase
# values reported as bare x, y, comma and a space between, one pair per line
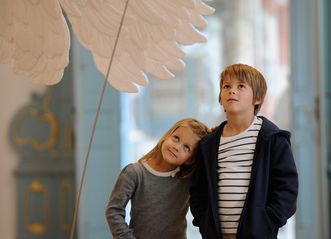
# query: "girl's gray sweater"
159, 204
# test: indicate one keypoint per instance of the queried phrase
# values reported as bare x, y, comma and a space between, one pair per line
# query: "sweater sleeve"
283, 182
122, 192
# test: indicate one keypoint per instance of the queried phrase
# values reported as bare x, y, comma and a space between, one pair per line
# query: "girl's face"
178, 147
237, 96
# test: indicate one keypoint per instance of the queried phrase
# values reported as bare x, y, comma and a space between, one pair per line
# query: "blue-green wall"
105, 157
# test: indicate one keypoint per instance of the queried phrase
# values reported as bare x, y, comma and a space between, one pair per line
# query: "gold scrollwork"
38, 189
67, 137
49, 117
66, 197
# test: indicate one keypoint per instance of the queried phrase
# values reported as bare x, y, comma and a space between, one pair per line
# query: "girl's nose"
176, 146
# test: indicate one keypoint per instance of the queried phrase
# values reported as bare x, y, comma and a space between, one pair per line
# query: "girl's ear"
189, 161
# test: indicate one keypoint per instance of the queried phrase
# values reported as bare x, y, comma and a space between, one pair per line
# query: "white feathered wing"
34, 36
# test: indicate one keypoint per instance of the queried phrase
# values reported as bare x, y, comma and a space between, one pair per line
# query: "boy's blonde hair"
198, 128
249, 75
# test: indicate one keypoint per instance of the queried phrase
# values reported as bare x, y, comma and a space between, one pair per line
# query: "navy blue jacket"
272, 193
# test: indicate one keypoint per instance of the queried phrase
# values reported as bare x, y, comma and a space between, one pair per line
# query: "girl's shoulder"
132, 172
133, 168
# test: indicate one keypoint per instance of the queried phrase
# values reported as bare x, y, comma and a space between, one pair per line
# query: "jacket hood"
269, 129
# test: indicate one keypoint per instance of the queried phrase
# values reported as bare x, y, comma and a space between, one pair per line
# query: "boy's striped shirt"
235, 159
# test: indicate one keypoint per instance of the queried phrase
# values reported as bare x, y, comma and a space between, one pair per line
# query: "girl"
157, 186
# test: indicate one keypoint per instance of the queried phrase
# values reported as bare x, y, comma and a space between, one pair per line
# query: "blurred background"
44, 131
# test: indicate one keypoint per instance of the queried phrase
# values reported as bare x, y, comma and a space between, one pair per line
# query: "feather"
34, 37
35, 49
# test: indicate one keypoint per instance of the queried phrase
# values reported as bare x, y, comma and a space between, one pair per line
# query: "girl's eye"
186, 148
241, 86
175, 138
226, 86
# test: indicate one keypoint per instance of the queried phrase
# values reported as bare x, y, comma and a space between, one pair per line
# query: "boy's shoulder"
269, 129
214, 135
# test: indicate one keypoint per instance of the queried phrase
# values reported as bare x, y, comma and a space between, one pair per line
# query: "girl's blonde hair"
198, 128
249, 75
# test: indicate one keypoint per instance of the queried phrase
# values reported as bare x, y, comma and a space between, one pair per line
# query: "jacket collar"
268, 129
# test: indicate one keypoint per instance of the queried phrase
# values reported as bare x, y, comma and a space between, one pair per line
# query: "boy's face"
237, 97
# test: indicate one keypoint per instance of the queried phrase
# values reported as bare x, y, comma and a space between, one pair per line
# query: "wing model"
34, 37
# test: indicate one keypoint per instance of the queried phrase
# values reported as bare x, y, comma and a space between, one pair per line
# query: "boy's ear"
257, 102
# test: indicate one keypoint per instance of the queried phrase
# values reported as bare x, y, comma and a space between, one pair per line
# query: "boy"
245, 185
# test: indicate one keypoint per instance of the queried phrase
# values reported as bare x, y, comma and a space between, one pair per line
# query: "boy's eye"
241, 86
226, 86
